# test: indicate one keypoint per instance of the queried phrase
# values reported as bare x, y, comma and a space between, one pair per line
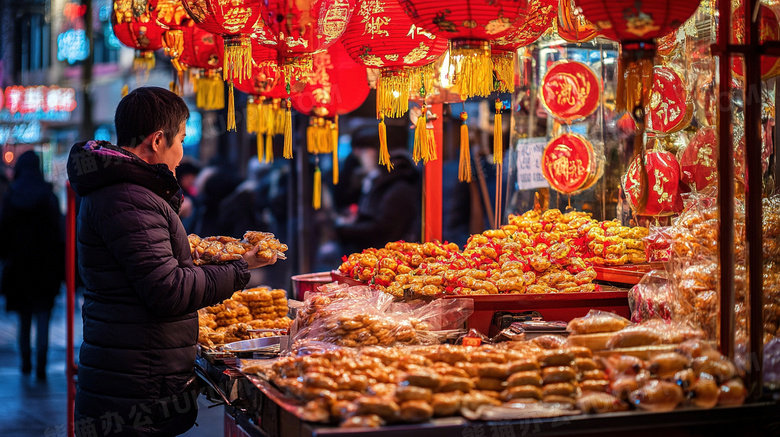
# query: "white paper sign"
529, 163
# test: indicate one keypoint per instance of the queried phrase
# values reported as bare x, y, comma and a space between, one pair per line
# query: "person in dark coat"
136, 365
389, 204
31, 221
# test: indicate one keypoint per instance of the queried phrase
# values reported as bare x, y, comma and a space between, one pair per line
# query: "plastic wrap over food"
655, 297
361, 316
597, 321
658, 244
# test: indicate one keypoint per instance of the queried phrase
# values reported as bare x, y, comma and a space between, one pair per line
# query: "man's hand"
254, 262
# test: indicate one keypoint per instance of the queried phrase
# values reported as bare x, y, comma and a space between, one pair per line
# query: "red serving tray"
627, 274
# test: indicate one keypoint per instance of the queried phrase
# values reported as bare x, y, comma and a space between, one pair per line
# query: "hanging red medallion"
663, 184
668, 110
566, 162
698, 162
570, 91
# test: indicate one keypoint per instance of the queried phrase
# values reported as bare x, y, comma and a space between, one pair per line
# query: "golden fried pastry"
657, 396
522, 391
386, 408
412, 393
596, 322
559, 389
446, 404
492, 370
667, 364
585, 364
557, 357
454, 383
595, 403
594, 385
416, 411
363, 421
555, 399
593, 374
525, 378
732, 393
523, 365
423, 378
552, 375
492, 384
472, 401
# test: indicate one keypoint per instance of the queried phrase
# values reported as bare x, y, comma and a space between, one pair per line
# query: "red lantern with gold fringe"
201, 52
335, 86
471, 26
135, 25
380, 35
541, 14
234, 22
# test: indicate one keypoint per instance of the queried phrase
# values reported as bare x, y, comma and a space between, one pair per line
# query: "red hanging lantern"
571, 25
663, 180
380, 35
201, 51
471, 26
298, 28
234, 22
540, 17
698, 161
135, 25
570, 91
335, 86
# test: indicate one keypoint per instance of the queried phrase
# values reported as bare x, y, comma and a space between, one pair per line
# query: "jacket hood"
93, 165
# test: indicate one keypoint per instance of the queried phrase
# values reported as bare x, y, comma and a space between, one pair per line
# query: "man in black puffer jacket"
136, 371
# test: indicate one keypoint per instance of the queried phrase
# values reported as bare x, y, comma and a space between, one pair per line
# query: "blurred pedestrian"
31, 223
389, 204
186, 173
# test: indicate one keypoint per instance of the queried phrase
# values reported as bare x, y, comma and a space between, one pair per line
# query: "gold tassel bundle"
504, 67
251, 116
231, 110
392, 93
278, 117
311, 137
210, 92
334, 138
474, 68
237, 65
317, 191
464, 169
498, 135
421, 77
424, 144
635, 78
323, 136
384, 153
288, 152
269, 147
125, 90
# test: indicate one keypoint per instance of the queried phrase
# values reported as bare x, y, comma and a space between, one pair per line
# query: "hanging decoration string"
384, 152
464, 168
334, 132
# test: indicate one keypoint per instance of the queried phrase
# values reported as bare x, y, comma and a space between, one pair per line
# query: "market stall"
646, 302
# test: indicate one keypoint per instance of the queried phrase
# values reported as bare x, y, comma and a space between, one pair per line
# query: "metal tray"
266, 344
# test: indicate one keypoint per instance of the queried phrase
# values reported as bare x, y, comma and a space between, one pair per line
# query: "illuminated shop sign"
37, 103
72, 46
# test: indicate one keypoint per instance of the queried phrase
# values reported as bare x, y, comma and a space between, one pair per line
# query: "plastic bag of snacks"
658, 244
361, 316
655, 298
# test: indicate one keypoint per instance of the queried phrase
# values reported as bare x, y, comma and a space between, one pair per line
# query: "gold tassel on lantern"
504, 66
125, 90
269, 147
288, 152
464, 169
384, 153
317, 190
323, 136
424, 144
210, 92
421, 77
498, 135
251, 116
231, 110
334, 132
392, 93
259, 147
279, 115
474, 74
173, 42
311, 137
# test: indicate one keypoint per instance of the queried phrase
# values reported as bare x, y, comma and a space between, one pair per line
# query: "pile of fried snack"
217, 250
232, 320
372, 386
355, 316
547, 252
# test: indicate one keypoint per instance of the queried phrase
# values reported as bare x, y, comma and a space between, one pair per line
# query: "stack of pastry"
595, 329
263, 302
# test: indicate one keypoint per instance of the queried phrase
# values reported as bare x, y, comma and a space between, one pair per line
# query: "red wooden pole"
433, 172
70, 310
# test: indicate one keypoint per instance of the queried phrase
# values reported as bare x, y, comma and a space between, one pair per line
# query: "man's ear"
157, 143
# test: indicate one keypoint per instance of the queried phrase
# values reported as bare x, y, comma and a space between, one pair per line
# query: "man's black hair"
146, 110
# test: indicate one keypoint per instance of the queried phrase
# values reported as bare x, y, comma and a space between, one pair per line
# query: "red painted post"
433, 173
